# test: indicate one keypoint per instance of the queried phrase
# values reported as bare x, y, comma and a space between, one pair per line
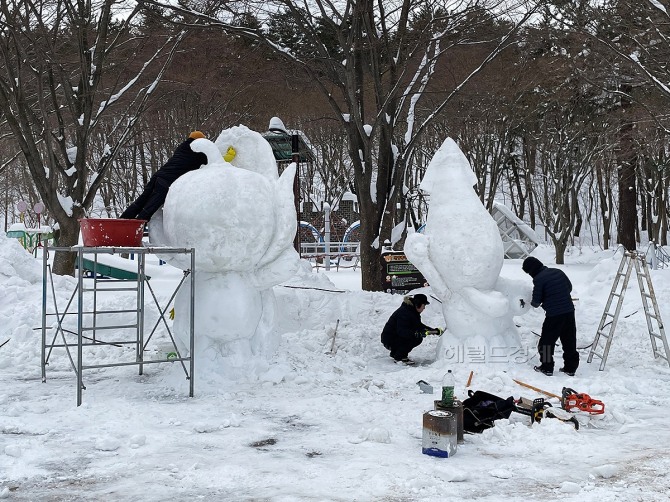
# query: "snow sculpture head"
239, 215
252, 151
461, 254
467, 248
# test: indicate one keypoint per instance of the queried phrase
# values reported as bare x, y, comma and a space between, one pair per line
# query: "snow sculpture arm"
491, 303
285, 219
518, 294
416, 249
281, 269
158, 238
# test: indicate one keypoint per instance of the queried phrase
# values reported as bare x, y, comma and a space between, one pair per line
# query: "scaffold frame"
139, 284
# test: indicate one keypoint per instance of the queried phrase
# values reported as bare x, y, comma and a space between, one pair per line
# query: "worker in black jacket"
404, 329
182, 161
551, 290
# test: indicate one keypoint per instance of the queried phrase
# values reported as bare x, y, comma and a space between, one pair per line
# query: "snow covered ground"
320, 426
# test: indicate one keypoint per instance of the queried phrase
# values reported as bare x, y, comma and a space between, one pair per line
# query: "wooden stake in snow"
470, 379
332, 345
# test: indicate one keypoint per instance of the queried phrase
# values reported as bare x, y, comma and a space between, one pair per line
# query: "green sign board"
399, 275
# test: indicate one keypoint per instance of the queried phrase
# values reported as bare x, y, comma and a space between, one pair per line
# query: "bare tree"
332, 173
372, 61
72, 71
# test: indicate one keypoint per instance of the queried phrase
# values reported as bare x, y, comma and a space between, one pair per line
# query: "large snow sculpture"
240, 217
461, 254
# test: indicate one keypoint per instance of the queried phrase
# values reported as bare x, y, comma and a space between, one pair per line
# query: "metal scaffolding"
87, 320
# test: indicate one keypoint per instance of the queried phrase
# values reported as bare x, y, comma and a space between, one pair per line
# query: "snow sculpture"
461, 254
240, 217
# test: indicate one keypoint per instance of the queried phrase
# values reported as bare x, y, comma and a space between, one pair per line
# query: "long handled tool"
571, 400
5, 343
528, 386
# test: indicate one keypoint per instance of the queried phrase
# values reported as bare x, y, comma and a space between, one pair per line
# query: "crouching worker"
404, 329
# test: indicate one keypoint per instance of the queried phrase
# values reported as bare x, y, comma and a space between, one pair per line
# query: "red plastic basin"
97, 232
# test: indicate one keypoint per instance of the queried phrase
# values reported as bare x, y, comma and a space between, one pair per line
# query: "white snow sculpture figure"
241, 221
461, 254
252, 151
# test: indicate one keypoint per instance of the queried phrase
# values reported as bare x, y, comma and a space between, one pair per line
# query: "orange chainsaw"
575, 401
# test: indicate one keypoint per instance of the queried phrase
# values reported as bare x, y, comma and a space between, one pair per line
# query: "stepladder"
608, 322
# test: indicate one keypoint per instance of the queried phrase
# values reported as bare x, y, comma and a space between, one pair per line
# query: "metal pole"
141, 277
44, 313
192, 354
80, 321
95, 294
295, 158
326, 232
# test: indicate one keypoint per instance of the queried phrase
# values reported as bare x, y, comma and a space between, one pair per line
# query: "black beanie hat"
419, 300
532, 266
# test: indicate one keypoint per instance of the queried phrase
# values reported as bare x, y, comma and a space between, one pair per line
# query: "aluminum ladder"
649, 303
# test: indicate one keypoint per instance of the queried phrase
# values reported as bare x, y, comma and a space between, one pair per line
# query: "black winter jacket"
182, 161
551, 290
404, 323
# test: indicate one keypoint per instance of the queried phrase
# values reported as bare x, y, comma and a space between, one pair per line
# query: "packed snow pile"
330, 416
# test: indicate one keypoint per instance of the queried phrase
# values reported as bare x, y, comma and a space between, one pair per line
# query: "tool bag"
481, 410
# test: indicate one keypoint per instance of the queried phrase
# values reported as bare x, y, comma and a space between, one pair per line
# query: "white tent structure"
519, 239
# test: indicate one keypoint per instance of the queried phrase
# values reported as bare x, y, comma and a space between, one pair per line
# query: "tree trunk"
68, 236
605, 209
627, 207
371, 267
560, 252
530, 151
627, 158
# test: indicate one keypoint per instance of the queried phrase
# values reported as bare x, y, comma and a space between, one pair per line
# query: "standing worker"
404, 329
551, 290
182, 161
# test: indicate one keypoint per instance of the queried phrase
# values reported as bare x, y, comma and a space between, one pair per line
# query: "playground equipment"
315, 233
326, 254
519, 240
31, 238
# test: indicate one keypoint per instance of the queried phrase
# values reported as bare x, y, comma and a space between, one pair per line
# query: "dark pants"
401, 347
554, 328
149, 202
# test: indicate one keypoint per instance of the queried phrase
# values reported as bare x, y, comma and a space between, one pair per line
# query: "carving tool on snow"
538, 408
571, 400
536, 389
470, 379
575, 401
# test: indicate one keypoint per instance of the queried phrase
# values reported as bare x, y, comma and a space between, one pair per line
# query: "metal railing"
331, 254
657, 256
